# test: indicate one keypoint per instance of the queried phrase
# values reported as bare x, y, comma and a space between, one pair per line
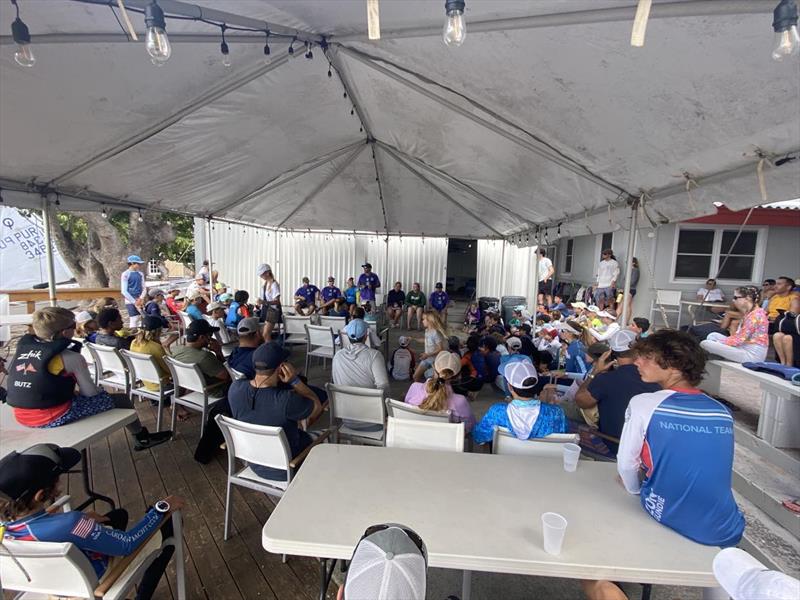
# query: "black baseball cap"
366, 266
269, 356
152, 322
22, 474
438, 285
198, 328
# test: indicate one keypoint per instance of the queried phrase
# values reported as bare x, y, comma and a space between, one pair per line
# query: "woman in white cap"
270, 300
436, 394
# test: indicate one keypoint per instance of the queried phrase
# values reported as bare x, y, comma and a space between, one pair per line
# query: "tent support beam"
698, 8
535, 303
209, 258
48, 245
447, 196
276, 182
626, 295
455, 181
539, 148
213, 94
325, 183
380, 188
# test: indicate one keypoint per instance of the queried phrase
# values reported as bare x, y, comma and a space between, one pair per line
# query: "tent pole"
48, 243
626, 295
502, 268
208, 256
536, 274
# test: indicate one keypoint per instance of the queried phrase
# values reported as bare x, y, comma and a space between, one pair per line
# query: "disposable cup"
554, 526
572, 452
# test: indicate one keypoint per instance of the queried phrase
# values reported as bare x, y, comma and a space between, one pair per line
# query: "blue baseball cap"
269, 356
356, 329
134, 258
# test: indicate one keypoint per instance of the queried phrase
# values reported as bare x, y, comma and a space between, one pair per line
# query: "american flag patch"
83, 527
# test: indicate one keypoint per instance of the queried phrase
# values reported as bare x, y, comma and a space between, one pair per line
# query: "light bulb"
784, 24
24, 53
156, 40
787, 43
226, 56
455, 29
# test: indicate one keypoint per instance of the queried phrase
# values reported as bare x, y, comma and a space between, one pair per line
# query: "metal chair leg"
227, 511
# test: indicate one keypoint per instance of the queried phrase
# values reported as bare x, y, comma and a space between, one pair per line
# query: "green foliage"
182, 249
76, 227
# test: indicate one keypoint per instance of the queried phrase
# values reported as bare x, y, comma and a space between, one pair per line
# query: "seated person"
435, 341
216, 316
330, 294
157, 307
436, 394
439, 301
494, 325
751, 341
787, 338
415, 301
196, 307
558, 304
111, 331
401, 365
351, 293
472, 318
514, 345
524, 416
339, 308
45, 371
238, 309
250, 338
174, 301
575, 365
359, 365
640, 326
474, 359
608, 328
203, 350
779, 302
30, 482
262, 401
676, 450
155, 300
710, 293
86, 326
395, 300
611, 385
199, 287
305, 298
491, 357
148, 341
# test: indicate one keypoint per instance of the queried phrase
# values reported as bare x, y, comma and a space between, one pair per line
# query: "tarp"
518, 127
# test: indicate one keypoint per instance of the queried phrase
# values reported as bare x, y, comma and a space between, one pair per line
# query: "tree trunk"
101, 259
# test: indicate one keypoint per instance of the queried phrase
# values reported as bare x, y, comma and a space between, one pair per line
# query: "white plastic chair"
186, 320
424, 435
226, 347
667, 302
361, 405
192, 391
552, 446
401, 410
61, 569
294, 329
142, 367
320, 344
234, 373
111, 371
88, 357
335, 323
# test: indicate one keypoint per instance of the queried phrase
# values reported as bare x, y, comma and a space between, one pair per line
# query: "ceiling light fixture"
22, 38
156, 41
455, 29
784, 24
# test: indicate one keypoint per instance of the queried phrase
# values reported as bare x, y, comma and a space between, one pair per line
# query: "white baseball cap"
578, 305
568, 328
592, 308
518, 371
215, 306
620, 341
514, 343
745, 578
83, 316
263, 268
403, 341
606, 315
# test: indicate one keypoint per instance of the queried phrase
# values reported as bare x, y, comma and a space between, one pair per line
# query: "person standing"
270, 300
546, 271
368, 283
329, 294
395, 300
415, 300
607, 275
439, 301
133, 289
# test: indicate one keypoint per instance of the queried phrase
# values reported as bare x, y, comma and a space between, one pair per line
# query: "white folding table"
79, 435
693, 305
481, 512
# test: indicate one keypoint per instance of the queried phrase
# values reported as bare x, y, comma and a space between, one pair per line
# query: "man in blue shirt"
305, 298
395, 300
194, 309
439, 301
368, 283
133, 289
29, 483
250, 338
330, 294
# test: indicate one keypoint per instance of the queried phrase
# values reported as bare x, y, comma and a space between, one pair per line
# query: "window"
702, 253
607, 241
568, 256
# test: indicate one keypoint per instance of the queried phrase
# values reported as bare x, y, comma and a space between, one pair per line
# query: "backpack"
402, 364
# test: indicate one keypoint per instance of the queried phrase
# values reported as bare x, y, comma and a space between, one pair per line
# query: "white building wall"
504, 269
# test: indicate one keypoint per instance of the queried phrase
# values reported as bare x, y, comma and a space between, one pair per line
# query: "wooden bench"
779, 419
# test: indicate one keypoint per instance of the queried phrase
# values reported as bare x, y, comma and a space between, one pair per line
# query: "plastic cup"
554, 526
572, 452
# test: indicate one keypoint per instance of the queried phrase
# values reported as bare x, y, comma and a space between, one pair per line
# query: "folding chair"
552, 446
350, 406
61, 569
335, 323
401, 410
88, 357
667, 302
234, 373
424, 435
260, 445
294, 329
142, 367
320, 344
110, 370
226, 347
199, 395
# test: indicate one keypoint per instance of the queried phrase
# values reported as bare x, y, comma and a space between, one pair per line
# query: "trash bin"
508, 303
487, 302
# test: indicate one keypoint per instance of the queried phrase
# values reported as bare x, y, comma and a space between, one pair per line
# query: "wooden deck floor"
215, 569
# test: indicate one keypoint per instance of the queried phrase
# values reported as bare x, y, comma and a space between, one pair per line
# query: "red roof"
774, 217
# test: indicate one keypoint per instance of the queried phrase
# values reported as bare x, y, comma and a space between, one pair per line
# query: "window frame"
569, 255
716, 258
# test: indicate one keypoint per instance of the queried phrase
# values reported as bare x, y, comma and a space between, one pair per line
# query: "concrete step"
767, 486
787, 459
767, 541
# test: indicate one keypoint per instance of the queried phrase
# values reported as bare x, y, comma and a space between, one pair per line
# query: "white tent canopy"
531, 121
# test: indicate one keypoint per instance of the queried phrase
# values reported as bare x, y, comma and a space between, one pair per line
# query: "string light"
58, 200
454, 28
22, 38
140, 218
291, 45
223, 47
103, 212
309, 54
784, 24
156, 41
266, 43
330, 73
